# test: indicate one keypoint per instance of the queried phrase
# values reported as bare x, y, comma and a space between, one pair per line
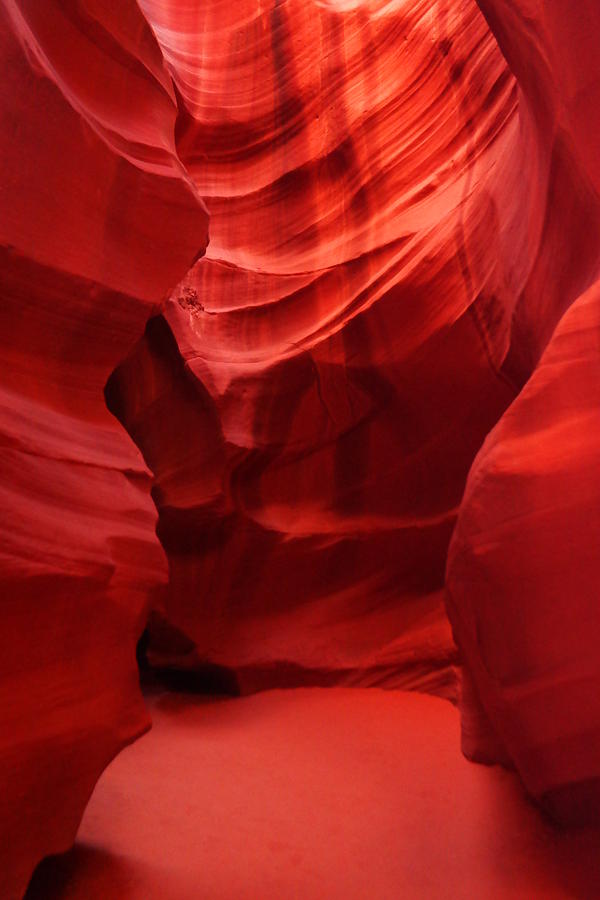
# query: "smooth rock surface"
523, 567
97, 222
552, 51
524, 570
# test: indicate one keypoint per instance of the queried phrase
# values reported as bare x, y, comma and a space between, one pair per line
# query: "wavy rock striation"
404, 203
97, 222
400, 216
314, 392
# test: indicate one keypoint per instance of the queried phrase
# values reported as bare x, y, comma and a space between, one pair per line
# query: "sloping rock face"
97, 222
524, 567
523, 574
315, 390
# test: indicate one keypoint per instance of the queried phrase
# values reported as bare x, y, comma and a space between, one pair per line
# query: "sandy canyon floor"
312, 793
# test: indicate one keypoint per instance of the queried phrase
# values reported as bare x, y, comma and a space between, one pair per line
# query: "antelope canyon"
299, 431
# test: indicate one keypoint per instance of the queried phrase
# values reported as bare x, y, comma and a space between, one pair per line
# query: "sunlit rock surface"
552, 50
97, 222
315, 390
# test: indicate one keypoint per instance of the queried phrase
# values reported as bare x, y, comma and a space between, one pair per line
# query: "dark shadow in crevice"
204, 678
67, 874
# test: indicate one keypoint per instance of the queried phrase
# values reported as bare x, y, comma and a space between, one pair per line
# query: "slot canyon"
299, 449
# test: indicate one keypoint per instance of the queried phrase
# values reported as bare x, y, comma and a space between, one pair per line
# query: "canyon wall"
97, 222
523, 572
523, 567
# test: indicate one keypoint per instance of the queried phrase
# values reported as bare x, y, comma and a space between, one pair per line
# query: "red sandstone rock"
552, 50
523, 573
387, 264
317, 387
96, 223
395, 231
523, 564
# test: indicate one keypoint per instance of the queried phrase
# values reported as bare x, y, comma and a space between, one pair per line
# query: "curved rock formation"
402, 209
97, 222
396, 229
552, 51
523, 574
314, 393
523, 564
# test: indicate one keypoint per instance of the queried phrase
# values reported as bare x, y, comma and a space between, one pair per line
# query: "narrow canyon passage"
299, 403
313, 393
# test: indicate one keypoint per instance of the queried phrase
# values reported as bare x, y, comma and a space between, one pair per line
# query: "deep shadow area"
61, 876
202, 679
